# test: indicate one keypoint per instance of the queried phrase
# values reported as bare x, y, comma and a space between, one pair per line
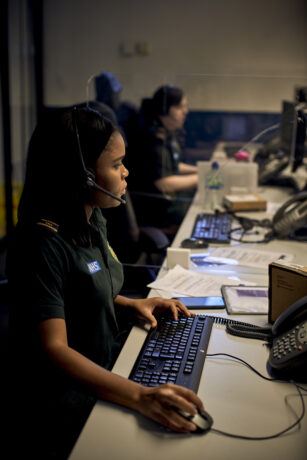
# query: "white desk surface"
239, 401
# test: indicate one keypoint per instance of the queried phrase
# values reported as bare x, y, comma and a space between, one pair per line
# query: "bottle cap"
215, 165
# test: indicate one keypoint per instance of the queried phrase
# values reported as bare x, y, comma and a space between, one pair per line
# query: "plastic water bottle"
214, 185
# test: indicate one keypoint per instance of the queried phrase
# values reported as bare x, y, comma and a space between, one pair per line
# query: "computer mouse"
201, 419
194, 243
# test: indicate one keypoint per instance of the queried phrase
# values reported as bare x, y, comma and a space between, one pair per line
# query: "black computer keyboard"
174, 352
214, 228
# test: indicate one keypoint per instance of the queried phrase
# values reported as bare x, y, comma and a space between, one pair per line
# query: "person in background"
108, 91
158, 167
64, 281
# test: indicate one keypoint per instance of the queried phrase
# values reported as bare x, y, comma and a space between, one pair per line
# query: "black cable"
250, 332
272, 379
301, 388
267, 238
210, 355
247, 224
276, 435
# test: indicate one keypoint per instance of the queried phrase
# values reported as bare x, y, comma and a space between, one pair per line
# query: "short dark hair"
165, 97
55, 186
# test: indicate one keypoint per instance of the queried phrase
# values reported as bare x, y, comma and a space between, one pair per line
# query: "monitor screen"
292, 133
288, 127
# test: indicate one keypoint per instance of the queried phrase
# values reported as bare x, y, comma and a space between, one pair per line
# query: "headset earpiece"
90, 178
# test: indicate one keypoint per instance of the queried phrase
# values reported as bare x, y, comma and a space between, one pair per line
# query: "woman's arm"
177, 182
156, 403
185, 168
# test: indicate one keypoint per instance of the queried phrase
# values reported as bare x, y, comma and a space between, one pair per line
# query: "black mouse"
201, 419
194, 243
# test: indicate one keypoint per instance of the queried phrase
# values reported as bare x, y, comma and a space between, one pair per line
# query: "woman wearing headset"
65, 282
158, 167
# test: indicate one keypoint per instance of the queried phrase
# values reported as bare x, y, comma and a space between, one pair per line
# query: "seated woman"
158, 168
64, 283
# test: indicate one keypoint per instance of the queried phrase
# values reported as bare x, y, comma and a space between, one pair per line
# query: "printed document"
180, 281
247, 257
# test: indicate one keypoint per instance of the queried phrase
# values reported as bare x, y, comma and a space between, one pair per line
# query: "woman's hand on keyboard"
162, 404
145, 308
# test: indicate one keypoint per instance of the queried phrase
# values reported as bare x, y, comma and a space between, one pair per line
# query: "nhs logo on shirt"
93, 267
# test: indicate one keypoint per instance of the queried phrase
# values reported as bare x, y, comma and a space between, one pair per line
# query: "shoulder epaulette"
161, 134
48, 224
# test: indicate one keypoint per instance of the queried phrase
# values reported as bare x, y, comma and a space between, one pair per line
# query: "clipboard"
246, 300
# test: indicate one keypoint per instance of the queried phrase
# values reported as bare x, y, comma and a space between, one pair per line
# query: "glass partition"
225, 111
232, 119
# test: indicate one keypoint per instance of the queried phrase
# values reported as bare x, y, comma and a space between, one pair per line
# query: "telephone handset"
289, 347
291, 216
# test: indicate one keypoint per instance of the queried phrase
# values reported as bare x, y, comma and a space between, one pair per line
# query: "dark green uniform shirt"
159, 155
51, 278
162, 153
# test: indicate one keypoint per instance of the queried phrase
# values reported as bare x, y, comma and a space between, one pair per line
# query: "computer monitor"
300, 94
292, 133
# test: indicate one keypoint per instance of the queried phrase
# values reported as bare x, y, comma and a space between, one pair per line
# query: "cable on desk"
247, 224
211, 355
250, 332
299, 389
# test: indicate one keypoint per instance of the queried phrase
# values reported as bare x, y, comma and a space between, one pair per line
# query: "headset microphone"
90, 177
91, 183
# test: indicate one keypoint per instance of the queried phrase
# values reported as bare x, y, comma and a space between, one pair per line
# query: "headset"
89, 175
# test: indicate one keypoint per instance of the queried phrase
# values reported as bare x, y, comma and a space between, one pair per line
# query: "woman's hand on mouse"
162, 404
145, 308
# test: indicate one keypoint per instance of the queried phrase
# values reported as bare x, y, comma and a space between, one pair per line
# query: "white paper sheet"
187, 282
247, 257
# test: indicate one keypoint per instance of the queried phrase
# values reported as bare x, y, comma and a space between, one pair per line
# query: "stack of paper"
181, 282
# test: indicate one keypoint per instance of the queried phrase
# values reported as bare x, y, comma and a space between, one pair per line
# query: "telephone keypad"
289, 346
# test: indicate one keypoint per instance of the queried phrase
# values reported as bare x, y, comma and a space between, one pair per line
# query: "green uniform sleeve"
46, 282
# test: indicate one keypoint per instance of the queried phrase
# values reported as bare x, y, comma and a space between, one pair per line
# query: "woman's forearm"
101, 382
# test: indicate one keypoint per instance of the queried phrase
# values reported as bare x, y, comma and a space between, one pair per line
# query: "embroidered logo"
93, 267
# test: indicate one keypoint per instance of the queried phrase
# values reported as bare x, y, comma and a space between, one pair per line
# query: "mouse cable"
299, 389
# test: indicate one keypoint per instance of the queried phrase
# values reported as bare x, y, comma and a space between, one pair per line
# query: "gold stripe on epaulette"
160, 134
49, 224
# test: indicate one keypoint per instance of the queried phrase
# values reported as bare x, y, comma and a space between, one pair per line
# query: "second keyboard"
214, 228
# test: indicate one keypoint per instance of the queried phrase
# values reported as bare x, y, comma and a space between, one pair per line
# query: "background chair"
141, 249
149, 205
